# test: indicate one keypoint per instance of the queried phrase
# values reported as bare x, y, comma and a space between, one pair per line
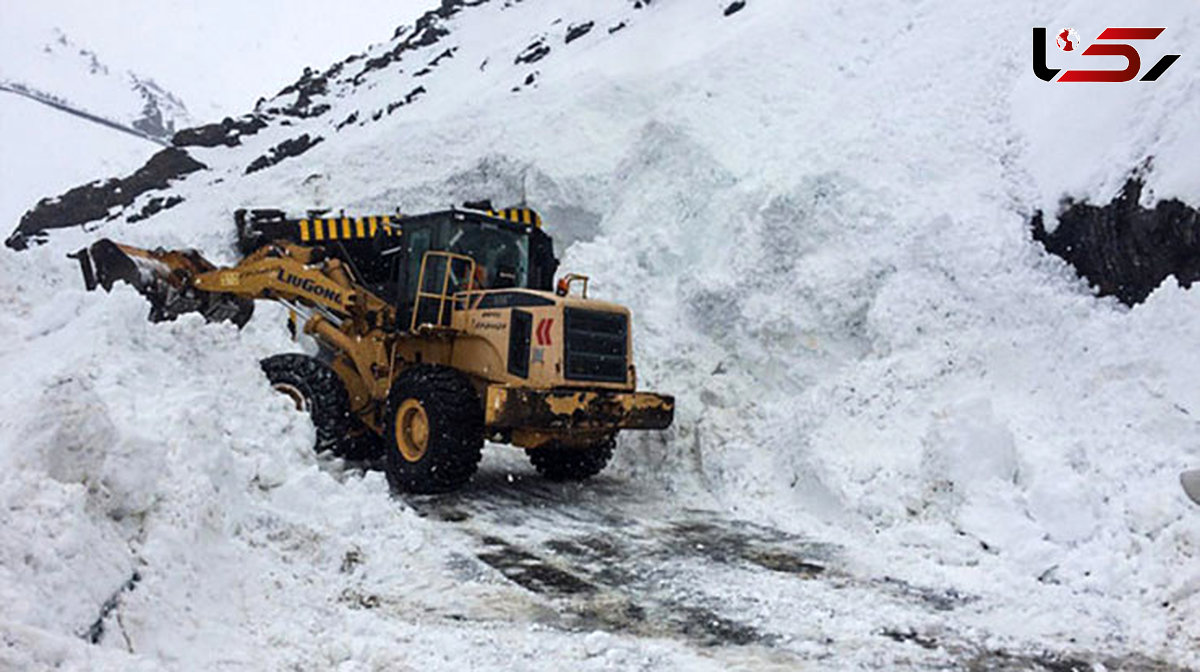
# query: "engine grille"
595, 345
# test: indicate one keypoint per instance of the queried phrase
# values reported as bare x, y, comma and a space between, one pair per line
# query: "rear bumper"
517, 408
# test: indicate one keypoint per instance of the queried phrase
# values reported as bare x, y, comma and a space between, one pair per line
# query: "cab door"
418, 239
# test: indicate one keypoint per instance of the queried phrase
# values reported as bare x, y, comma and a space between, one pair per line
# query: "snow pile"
819, 219
154, 465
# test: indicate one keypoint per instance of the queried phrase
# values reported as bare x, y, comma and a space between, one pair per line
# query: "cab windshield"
501, 256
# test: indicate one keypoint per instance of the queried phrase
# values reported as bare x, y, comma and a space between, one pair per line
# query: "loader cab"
502, 254
508, 246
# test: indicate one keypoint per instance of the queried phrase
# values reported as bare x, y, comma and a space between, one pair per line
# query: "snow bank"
153, 464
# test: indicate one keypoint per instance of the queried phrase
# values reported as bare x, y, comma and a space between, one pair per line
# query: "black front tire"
557, 462
453, 430
317, 389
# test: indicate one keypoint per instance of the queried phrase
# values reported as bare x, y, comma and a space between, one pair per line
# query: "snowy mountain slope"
219, 56
67, 117
824, 242
32, 168
106, 61
49, 66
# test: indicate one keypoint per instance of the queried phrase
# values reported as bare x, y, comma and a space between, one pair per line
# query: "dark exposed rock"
577, 31
426, 31
735, 7
449, 53
408, 99
1123, 249
619, 26
314, 84
154, 206
95, 633
284, 150
310, 85
94, 201
347, 121
534, 52
228, 132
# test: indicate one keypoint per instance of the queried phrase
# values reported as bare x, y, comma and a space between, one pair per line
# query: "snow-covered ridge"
824, 242
52, 69
360, 91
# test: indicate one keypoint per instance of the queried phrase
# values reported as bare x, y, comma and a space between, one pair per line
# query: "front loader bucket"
1191, 484
162, 276
105, 262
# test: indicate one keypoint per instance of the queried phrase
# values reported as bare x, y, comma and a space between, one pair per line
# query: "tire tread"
456, 430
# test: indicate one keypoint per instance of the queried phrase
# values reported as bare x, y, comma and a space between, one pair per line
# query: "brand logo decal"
1068, 41
543, 331
310, 286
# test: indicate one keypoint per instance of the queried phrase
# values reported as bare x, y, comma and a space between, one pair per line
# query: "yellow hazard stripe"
347, 228
517, 215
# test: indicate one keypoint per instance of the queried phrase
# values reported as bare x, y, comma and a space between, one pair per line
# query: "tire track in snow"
607, 557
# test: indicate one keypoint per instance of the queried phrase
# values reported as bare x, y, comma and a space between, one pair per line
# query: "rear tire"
434, 432
363, 445
557, 462
318, 390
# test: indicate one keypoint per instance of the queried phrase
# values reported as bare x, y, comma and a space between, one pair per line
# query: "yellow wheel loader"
435, 332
